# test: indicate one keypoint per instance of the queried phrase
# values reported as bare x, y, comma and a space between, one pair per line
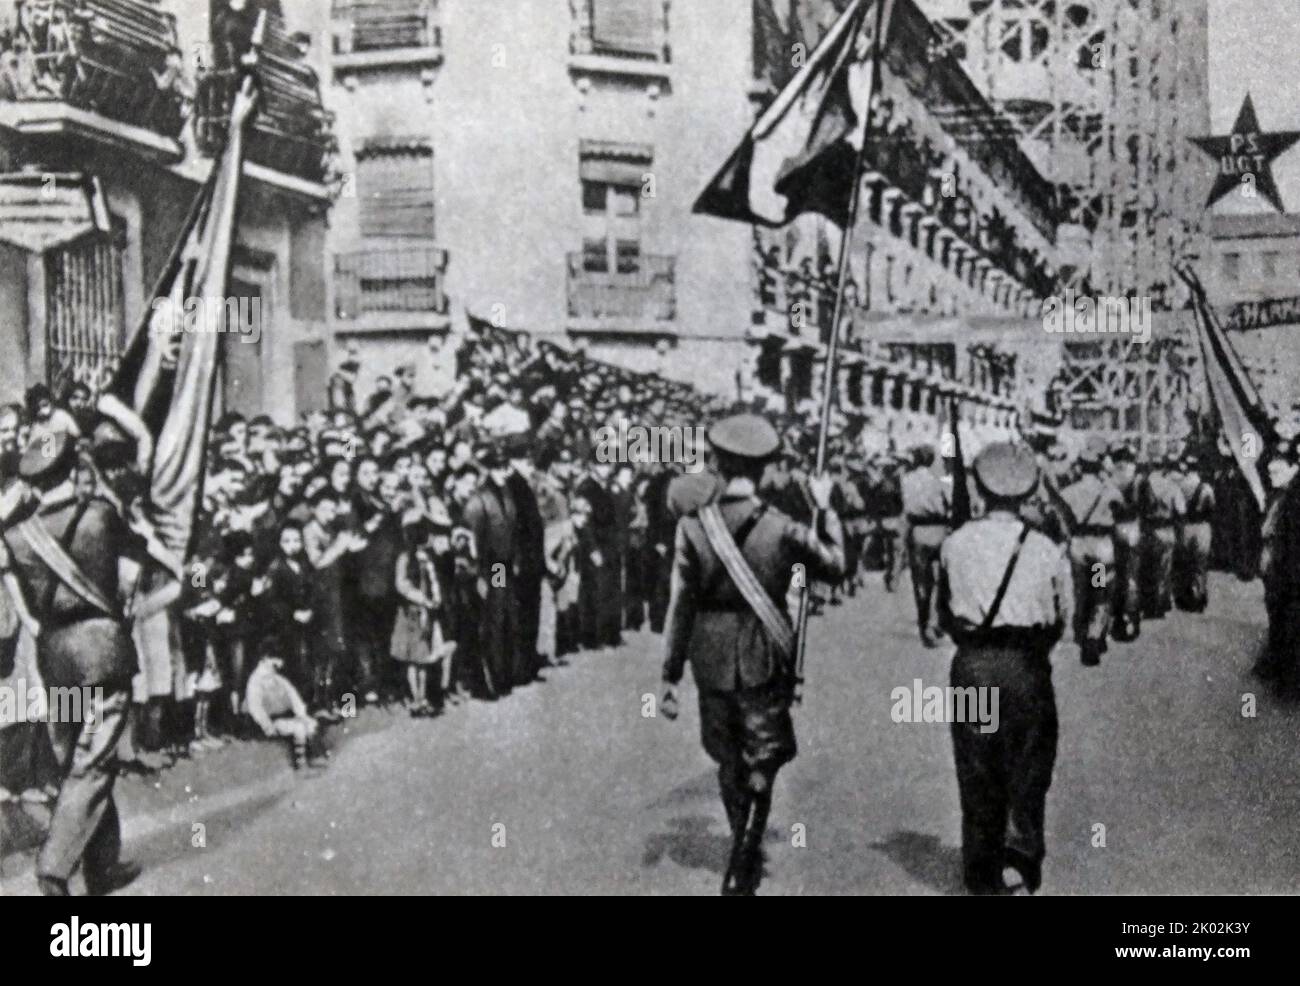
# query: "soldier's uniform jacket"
709, 622
79, 644
1094, 504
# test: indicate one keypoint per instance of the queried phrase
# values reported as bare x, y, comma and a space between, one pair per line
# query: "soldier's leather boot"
745, 870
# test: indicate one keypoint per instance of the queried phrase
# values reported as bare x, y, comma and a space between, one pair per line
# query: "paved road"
567, 788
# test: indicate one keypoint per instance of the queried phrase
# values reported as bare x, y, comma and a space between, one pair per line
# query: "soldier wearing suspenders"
1093, 501
732, 565
1004, 597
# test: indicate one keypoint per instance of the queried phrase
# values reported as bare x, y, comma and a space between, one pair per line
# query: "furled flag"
1245, 422
801, 154
169, 369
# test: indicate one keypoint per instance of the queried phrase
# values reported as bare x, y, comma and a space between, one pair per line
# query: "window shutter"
624, 25
395, 188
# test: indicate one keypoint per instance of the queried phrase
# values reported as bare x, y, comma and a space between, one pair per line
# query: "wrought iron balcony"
385, 281
649, 292
632, 29
291, 130
361, 26
119, 59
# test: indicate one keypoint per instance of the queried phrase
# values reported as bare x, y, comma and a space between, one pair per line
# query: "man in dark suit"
66, 557
490, 515
744, 672
605, 572
530, 557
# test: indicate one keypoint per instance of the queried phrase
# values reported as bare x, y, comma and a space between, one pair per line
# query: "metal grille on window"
83, 309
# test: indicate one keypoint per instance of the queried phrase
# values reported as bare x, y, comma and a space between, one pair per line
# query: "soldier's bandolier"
1092, 500
743, 673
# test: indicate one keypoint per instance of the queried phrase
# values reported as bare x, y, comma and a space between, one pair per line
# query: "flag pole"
832, 351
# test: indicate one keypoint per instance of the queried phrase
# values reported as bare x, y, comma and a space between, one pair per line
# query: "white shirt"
974, 558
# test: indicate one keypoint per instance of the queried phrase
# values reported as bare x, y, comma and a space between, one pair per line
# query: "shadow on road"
925, 859
690, 844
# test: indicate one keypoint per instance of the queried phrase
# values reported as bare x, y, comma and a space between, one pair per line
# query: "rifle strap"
777, 626
1006, 580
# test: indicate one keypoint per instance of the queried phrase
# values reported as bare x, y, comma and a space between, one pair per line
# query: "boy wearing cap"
1004, 597
736, 633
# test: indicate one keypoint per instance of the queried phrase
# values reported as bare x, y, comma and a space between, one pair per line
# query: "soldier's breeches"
1194, 564
84, 824
749, 733
1003, 776
1128, 555
1092, 561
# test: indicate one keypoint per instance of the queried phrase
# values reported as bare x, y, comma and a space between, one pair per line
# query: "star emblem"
1244, 152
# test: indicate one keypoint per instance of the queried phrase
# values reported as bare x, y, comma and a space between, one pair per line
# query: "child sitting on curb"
279, 711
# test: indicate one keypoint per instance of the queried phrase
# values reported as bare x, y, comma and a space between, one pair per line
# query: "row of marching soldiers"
1137, 535
1095, 544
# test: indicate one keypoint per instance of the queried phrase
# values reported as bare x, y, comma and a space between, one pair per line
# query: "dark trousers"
1128, 577
658, 569
923, 543
1003, 776
528, 597
1158, 569
84, 827
1092, 562
372, 637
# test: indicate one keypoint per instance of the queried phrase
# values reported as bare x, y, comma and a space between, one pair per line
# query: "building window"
622, 28
612, 176
1271, 259
395, 189
1231, 266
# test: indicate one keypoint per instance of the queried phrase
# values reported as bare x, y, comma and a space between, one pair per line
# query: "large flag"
1245, 422
169, 369
801, 154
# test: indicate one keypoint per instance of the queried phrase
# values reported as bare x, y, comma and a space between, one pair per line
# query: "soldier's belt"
1035, 640
1094, 530
927, 521
722, 606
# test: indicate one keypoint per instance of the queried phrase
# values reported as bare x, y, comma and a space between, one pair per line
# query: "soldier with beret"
66, 557
1004, 597
742, 665
1162, 508
1191, 591
1127, 598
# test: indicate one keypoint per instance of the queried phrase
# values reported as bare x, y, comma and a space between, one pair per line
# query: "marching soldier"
1192, 591
1092, 500
732, 566
1004, 596
1162, 505
66, 556
927, 503
1128, 542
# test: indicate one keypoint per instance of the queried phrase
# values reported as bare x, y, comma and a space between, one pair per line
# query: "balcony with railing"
106, 69
387, 283
647, 294
620, 37
378, 33
291, 132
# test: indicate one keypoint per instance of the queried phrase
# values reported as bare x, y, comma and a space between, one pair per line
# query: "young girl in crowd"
417, 636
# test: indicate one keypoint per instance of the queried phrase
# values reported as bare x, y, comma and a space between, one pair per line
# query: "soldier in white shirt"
1005, 598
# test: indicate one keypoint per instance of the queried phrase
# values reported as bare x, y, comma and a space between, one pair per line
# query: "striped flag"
169, 369
801, 154
1244, 420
